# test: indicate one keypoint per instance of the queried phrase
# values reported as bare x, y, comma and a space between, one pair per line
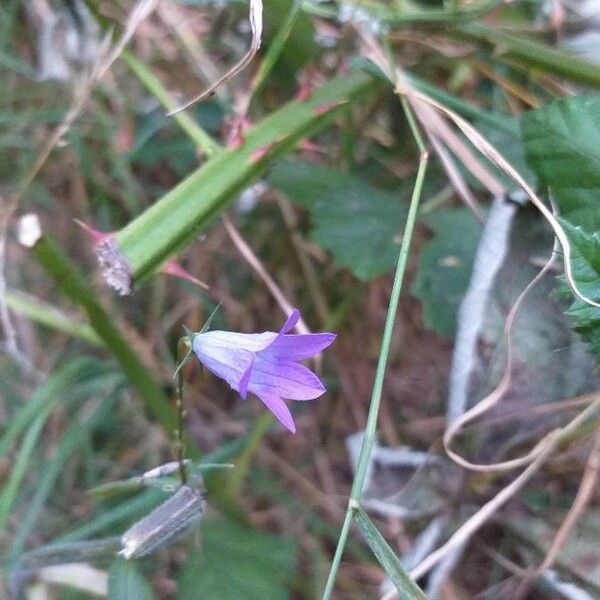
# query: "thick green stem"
413, 15
75, 286
530, 53
171, 222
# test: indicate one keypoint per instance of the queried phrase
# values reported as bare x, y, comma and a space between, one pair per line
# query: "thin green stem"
275, 49
370, 429
339, 551
399, 17
183, 119
183, 353
414, 128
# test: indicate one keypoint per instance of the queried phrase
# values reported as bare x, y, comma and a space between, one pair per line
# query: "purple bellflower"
265, 364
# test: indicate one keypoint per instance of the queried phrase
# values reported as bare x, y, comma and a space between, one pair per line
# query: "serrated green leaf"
358, 223
126, 583
585, 261
236, 562
562, 144
445, 267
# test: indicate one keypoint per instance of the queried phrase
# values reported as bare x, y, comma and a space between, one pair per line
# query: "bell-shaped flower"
265, 364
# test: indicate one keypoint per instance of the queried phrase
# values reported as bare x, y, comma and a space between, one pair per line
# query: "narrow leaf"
407, 588
126, 583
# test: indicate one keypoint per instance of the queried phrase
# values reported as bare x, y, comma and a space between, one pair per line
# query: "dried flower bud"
167, 522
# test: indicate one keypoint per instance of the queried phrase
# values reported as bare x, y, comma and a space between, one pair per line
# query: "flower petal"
299, 346
285, 379
228, 363
279, 408
290, 322
253, 342
243, 389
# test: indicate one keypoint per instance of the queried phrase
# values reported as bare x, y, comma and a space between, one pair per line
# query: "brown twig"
253, 260
584, 494
310, 275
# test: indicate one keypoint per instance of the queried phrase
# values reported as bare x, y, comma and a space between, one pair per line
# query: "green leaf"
406, 587
445, 267
585, 261
562, 144
525, 50
358, 223
126, 583
237, 562
300, 47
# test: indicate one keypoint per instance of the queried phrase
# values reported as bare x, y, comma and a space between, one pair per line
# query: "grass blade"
407, 588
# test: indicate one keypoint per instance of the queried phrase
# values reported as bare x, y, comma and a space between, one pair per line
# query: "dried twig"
256, 26
310, 275
471, 525
457, 180
582, 499
253, 260
491, 399
584, 494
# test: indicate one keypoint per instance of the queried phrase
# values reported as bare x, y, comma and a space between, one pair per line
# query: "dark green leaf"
236, 562
585, 261
562, 144
357, 222
445, 266
126, 583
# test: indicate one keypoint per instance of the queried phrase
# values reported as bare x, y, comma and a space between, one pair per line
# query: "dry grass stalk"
584, 494
253, 260
495, 396
255, 17
457, 180
404, 88
471, 525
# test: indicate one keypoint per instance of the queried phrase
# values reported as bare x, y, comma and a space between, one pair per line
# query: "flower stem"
370, 429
